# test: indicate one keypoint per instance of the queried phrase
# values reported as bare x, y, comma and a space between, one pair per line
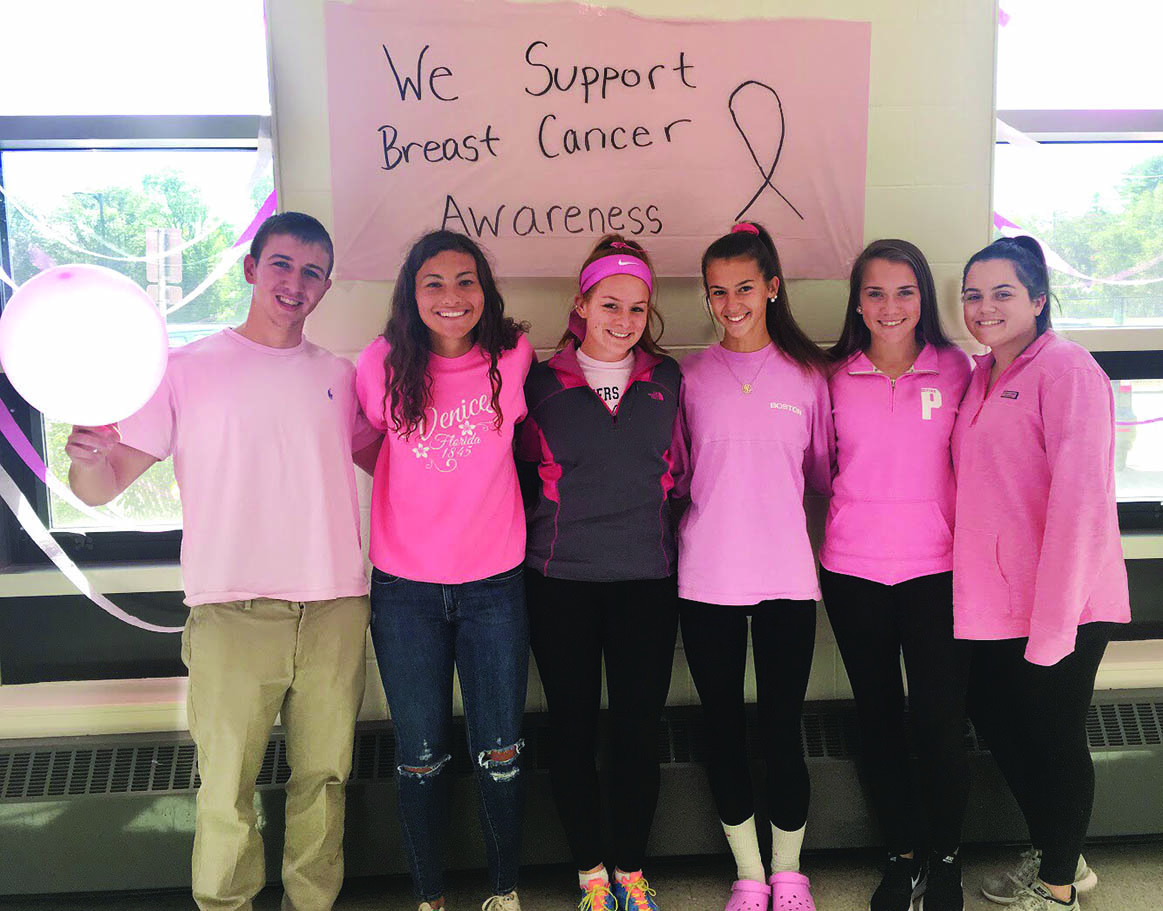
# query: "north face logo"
657, 396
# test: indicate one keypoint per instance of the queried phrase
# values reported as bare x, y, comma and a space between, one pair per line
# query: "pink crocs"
790, 892
748, 895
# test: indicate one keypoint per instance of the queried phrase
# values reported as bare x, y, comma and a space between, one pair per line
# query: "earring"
771, 300
859, 309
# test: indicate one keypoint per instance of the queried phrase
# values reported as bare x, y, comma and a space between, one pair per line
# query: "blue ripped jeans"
421, 631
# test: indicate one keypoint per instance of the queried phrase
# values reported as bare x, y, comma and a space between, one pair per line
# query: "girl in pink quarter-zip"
756, 429
1038, 574
887, 563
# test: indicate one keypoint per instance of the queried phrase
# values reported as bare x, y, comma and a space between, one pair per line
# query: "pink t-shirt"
446, 506
262, 441
744, 460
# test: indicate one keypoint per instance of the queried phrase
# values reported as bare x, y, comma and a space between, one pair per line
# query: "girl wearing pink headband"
756, 429
600, 561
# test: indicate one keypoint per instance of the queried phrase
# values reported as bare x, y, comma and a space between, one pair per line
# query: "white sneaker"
1038, 898
1005, 887
508, 902
424, 906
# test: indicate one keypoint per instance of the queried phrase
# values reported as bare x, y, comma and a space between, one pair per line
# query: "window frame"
128, 132
1093, 127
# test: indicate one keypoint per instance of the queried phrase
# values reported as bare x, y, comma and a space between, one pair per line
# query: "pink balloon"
83, 344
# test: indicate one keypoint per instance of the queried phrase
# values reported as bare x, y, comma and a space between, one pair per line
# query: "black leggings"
874, 624
1034, 719
782, 638
634, 625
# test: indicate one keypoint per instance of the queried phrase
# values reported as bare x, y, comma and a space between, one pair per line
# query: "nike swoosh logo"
627, 262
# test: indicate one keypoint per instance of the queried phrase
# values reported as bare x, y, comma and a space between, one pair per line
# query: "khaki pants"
249, 661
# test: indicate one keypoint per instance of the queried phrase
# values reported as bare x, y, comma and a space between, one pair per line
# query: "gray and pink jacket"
602, 512
891, 514
1037, 549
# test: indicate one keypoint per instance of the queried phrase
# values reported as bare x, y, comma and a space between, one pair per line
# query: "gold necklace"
747, 387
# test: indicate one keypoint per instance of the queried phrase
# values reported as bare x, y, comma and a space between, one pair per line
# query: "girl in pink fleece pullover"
888, 558
756, 428
1038, 574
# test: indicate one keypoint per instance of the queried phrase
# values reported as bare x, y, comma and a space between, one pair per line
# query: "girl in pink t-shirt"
445, 384
887, 561
756, 429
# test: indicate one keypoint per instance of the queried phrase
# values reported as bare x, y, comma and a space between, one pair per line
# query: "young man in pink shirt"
262, 426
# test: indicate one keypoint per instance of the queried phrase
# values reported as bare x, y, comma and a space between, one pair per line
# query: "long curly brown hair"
409, 384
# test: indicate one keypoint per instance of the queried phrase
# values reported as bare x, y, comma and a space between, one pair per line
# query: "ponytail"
751, 241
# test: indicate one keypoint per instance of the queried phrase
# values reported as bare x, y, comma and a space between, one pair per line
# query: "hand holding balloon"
89, 447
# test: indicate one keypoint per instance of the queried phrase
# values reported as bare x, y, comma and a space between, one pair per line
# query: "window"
133, 150
1079, 160
1079, 165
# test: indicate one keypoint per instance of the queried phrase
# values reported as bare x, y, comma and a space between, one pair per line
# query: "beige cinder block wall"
928, 180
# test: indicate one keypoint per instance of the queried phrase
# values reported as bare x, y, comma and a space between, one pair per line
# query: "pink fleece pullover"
743, 460
445, 502
891, 515
1037, 549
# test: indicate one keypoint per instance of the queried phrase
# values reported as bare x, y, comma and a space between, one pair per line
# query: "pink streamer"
266, 210
1056, 262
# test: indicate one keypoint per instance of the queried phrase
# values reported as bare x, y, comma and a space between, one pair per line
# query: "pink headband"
746, 228
615, 264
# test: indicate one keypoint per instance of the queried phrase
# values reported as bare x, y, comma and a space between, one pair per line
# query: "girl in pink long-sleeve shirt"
756, 428
887, 563
1038, 574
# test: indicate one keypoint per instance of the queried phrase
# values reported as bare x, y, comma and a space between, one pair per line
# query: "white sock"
785, 849
584, 878
744, 844
623, 876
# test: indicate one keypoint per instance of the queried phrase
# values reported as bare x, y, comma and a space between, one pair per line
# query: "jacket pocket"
979, 585
890, 530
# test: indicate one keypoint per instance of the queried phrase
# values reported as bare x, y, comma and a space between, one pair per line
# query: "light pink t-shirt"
262, 441
446, 506
744, 460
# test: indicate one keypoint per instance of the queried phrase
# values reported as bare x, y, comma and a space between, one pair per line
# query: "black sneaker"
943, 887
904, 880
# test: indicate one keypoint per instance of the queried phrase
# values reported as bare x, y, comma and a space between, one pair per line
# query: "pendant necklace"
745, 386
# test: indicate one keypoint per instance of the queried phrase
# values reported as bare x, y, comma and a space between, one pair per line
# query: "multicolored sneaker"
634, 893
1005, 886
597, 896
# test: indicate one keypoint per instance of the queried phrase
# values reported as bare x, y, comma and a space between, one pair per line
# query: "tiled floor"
1130, 879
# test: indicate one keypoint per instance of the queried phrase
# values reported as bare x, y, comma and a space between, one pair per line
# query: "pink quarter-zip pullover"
891, 515
1037, 550
743, 459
